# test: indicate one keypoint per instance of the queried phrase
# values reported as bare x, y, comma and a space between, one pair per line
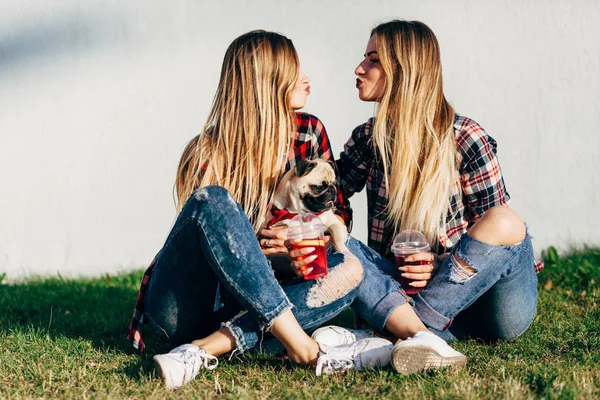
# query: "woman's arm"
322, 149
355, 161
480, 173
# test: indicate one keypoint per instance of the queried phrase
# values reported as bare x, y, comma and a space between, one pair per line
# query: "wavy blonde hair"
245, 142
413, 130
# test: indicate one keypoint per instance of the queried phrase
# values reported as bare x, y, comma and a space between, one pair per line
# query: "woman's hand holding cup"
420, 274
272, 241
307, 246
300, 255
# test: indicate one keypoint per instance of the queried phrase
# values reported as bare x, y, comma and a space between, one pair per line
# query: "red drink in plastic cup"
319, 265
309, 230
404, 282
405, 244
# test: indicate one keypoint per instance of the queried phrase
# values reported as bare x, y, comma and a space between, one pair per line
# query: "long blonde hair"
245, 142
413, 129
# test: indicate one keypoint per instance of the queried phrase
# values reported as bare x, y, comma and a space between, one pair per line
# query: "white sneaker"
181, 365
423, 352
336, 335
362, 355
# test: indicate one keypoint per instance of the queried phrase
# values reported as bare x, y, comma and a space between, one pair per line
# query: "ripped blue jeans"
212, 273
498, 301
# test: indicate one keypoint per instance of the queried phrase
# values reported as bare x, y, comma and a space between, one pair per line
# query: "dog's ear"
303, 167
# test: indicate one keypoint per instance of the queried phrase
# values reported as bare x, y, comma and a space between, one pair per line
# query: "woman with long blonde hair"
429, 169
211, 289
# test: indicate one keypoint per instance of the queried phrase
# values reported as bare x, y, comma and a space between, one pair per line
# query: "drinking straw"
299, 207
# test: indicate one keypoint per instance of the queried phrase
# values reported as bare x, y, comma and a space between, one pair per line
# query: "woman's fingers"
294, 254
417, 277
301, 256
289, 243
426, 256
420, 274
418, 283
303, 272
273, 238
300, 264
276, 232
417, 269
272, 241
266, 242
274, 250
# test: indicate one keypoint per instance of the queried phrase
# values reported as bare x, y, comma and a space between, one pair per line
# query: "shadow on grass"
94, 310
98, 310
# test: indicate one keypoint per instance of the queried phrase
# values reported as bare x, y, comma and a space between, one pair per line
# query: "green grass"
65, 338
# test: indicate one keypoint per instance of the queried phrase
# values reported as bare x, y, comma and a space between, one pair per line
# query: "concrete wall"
97, 100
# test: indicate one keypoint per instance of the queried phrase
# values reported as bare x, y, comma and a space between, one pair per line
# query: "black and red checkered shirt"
310, 142
481, 183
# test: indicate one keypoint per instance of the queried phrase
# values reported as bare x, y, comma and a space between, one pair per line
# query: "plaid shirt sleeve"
481, 176
322, 149
136, 328
353, 164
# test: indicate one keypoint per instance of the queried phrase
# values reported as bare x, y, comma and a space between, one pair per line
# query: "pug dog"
310, 187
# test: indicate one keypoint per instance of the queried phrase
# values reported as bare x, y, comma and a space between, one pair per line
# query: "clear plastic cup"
405, 244
310, 230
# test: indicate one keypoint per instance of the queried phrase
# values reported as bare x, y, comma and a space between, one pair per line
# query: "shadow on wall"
25, 46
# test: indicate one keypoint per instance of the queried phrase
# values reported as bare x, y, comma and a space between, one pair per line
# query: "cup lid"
410, 236
410, 241
305, 226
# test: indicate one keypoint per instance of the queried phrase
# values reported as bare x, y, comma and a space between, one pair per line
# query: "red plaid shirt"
481, 183
310, 142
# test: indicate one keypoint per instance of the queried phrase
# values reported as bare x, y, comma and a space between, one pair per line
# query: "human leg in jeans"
498, 301
487, 288
384, 305
213, 245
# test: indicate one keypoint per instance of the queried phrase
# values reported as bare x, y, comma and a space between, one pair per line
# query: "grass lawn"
65, 338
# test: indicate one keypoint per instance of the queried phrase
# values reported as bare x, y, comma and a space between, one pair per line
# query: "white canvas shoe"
336, 335
362, 355
181, 365
425, 351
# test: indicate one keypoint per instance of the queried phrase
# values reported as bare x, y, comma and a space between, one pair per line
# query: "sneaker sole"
415, 359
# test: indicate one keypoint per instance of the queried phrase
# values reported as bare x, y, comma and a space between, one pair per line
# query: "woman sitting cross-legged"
429, 169
210, 290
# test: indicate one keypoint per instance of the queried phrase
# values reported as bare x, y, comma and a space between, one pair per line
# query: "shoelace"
349, 337
209, 362
191, 358
330, 364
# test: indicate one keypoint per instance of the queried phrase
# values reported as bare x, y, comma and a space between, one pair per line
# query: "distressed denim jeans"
379, 294
211, 272
498, 301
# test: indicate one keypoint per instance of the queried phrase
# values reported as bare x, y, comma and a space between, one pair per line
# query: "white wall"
97, 100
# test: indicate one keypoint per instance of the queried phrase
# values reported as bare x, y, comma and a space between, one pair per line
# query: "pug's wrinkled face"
315, 184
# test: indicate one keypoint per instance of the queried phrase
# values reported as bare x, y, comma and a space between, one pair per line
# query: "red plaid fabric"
481, 183
310, 142
136, 328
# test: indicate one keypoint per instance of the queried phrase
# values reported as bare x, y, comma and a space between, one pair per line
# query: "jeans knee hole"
461, 271
338, 283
